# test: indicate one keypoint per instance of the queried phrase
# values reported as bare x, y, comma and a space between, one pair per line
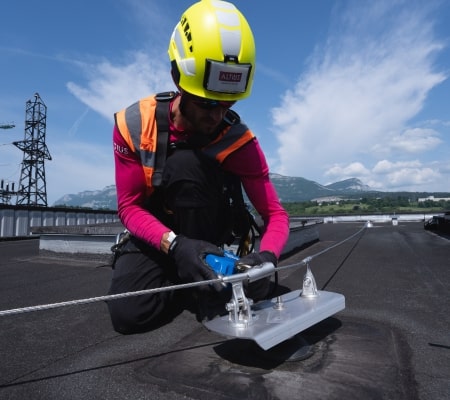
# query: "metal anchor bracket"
239, 307
309, 284
271, 322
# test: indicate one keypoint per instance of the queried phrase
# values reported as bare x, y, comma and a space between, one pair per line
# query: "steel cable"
22, 310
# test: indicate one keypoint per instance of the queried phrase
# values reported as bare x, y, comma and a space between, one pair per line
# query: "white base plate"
270, 326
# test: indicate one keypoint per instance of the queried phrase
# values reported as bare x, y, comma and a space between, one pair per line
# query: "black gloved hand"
259, 289
189, 256
253, 259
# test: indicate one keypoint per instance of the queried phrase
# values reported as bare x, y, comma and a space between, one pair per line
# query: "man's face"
204, 115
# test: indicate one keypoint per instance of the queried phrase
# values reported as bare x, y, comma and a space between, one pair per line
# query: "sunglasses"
207, 104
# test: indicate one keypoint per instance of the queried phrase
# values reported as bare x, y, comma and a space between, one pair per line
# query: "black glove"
253, 259
259, 289
189, 256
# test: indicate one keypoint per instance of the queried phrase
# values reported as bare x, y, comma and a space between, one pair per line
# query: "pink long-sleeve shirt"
248, 162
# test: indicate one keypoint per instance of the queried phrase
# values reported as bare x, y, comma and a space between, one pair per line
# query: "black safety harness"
244, 224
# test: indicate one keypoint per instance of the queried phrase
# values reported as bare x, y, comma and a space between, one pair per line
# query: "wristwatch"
171, 237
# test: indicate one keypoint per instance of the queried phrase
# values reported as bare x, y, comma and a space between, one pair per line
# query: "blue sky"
346, 88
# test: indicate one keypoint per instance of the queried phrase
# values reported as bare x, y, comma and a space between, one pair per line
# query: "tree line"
393, 204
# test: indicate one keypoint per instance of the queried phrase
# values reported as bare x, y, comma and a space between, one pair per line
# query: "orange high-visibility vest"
137, 125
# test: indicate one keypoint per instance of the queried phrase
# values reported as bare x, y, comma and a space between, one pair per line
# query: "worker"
173, 174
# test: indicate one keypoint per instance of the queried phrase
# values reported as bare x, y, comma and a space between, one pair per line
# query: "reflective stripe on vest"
229, 140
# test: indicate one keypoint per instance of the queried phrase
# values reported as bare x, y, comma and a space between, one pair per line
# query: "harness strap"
162, 123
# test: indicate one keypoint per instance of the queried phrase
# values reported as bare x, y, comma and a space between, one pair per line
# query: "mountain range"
289, 189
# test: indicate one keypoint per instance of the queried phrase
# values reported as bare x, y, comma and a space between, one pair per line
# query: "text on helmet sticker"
226, 78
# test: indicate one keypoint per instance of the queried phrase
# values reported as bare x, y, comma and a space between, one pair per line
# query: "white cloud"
395, 175
340, 172
360, 94
109, 87
411, 177
113, 87
404, 175
385, 166
415, 140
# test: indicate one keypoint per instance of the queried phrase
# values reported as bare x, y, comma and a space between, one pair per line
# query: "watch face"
171, 237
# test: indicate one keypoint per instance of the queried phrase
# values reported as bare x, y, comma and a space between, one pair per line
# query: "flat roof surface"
392, 341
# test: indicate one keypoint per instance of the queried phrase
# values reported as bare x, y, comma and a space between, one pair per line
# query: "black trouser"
193, 192
140, 267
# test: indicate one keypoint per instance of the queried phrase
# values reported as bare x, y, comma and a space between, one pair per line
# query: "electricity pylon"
32, 189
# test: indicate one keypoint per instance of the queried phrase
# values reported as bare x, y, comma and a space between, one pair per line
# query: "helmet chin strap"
182, 105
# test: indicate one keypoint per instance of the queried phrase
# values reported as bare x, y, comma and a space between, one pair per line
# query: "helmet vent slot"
187, 33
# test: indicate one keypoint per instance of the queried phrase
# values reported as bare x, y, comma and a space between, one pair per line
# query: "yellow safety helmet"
212, 52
